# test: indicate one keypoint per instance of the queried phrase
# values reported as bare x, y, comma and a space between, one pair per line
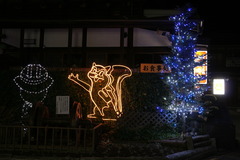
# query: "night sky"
221, 18
221, 22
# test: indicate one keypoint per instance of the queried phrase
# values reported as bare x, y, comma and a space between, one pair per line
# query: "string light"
103, 87
33, 81
182, 81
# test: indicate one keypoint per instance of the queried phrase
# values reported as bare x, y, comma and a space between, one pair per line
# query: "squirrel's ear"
93, 64
108, 69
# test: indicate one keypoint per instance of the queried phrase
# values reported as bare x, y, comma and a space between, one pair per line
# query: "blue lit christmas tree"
181, 80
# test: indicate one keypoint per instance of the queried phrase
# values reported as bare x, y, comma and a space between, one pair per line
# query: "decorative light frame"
33, 75
111, 95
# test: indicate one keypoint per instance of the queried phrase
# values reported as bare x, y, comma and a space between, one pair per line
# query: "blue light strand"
182, 80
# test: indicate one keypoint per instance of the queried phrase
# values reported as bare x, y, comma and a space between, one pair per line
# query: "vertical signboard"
218, 86
62, 104
200, 69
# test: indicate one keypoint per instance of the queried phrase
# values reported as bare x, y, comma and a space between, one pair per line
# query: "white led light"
32, 80
218, 86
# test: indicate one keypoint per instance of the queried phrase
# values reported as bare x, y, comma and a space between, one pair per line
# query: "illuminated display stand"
200, 70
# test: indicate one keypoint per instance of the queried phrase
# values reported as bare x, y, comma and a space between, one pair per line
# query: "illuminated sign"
219, 86
105, 89
154, 68
200, 71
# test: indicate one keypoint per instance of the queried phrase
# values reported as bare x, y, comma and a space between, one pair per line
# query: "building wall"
62, 47
96, 37
224, 63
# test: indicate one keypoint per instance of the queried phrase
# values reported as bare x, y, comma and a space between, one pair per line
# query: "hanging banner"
200, 70
154, 68
62, 104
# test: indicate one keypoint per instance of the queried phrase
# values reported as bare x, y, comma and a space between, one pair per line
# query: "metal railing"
49, 139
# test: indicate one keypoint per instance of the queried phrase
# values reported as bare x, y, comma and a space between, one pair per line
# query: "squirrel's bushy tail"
118, 84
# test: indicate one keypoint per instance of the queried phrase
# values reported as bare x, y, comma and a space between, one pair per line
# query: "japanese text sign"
62, 104
154, 68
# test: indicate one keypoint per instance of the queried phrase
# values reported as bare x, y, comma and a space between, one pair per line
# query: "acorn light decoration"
33, 82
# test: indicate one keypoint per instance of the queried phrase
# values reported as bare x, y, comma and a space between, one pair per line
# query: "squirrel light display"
104, 89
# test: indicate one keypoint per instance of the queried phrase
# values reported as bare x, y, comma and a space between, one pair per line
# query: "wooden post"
183, 125
93, 139
189, 141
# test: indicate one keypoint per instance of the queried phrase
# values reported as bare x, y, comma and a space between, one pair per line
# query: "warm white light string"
110, 93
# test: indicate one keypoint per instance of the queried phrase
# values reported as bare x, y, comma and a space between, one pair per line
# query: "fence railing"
136, 119
49, 139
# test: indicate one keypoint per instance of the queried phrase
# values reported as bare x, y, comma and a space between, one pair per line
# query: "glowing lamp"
218, 86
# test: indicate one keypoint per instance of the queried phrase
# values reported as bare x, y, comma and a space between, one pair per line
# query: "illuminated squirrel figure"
104, 91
